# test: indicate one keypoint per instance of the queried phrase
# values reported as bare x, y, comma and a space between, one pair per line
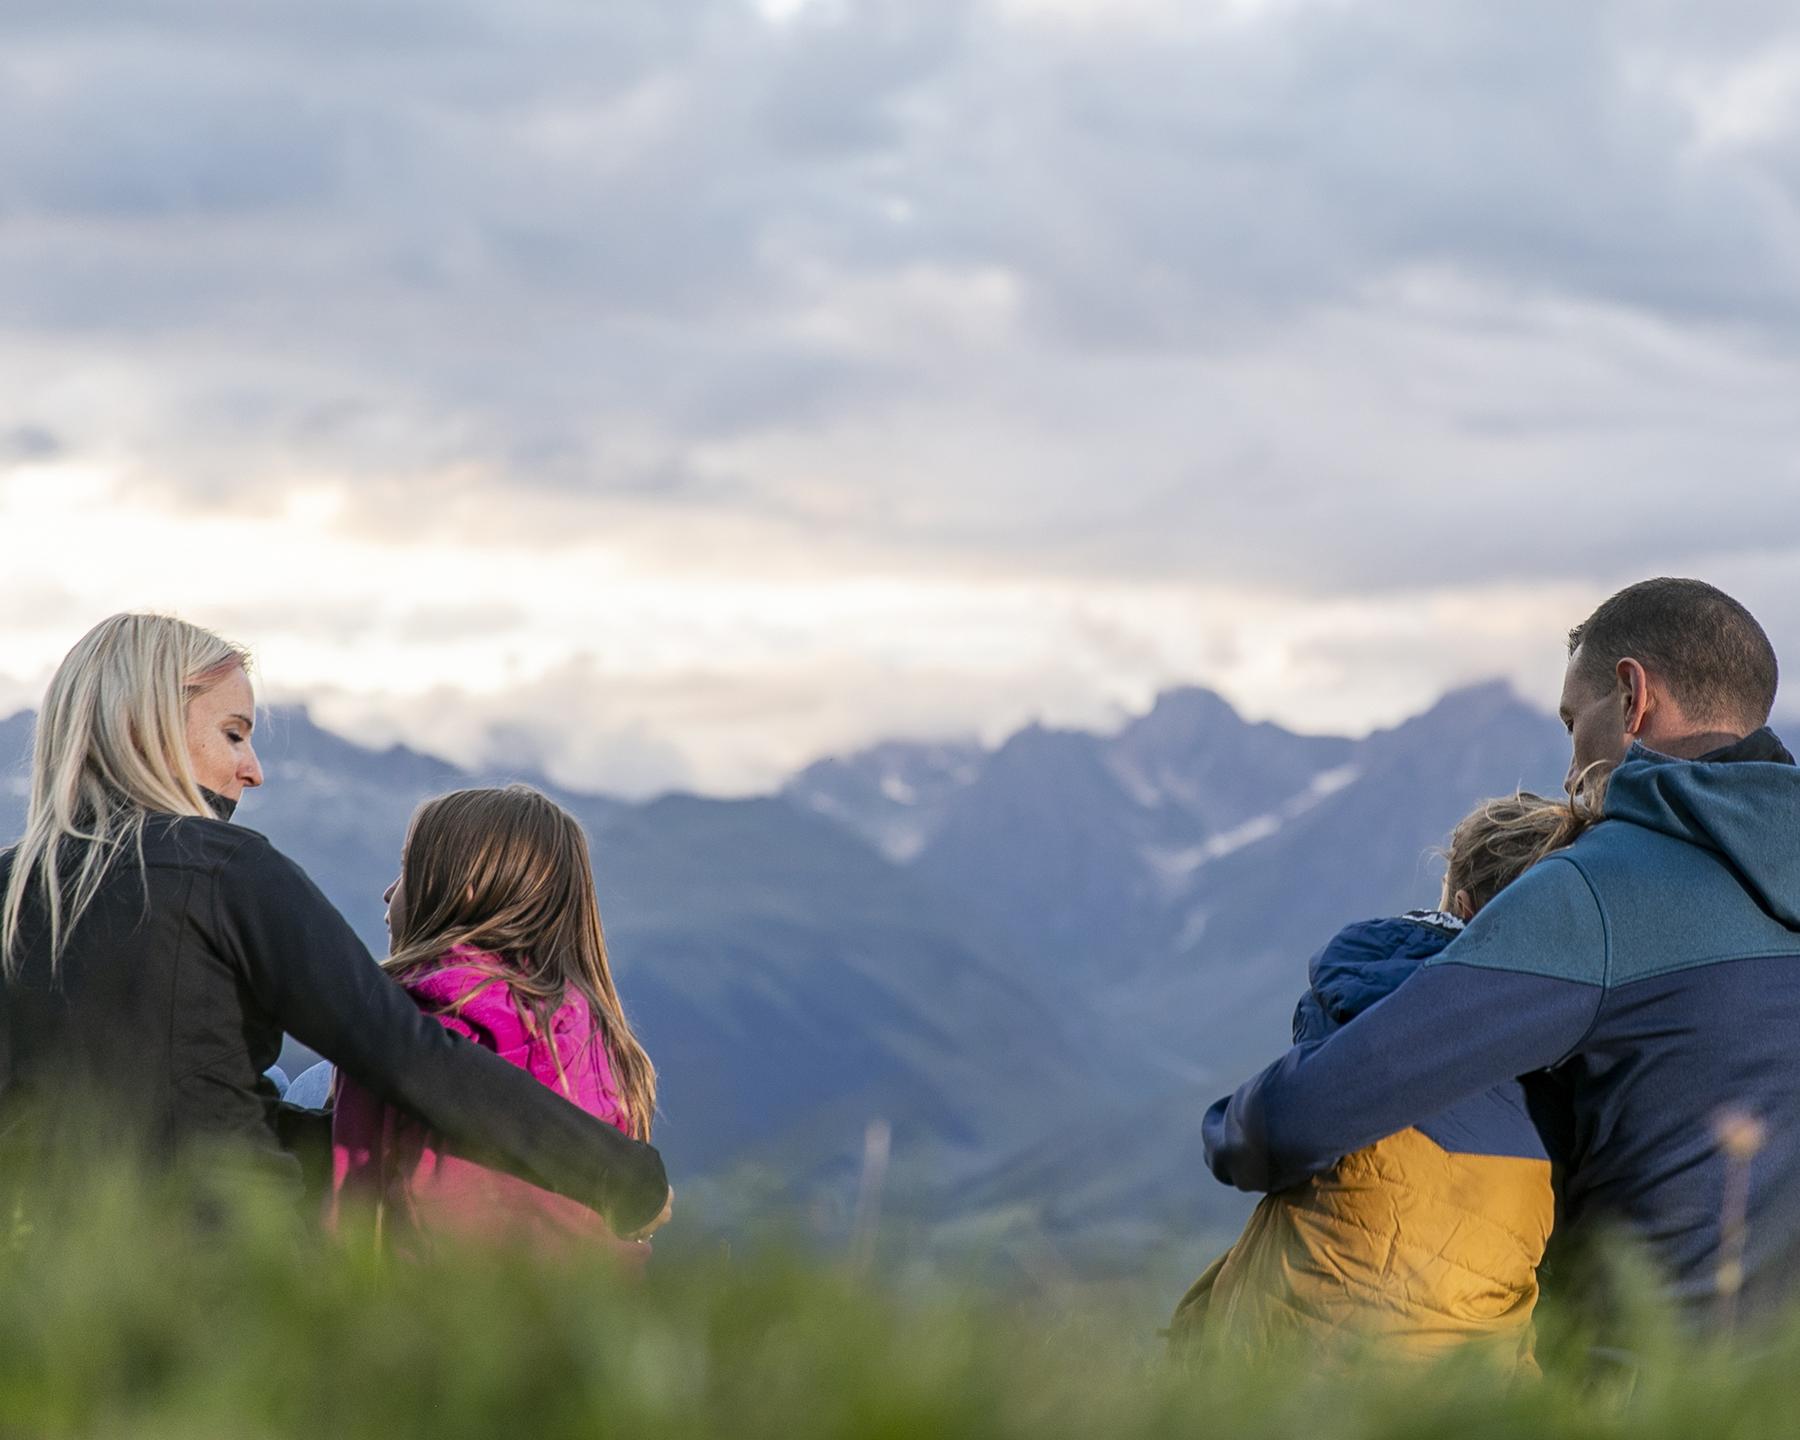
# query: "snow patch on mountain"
1175, 866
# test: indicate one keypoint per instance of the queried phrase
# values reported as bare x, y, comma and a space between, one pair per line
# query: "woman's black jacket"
171, 997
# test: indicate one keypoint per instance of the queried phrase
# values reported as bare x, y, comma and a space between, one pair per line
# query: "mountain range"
1038, 962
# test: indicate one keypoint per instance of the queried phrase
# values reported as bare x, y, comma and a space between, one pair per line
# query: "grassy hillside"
117, 1318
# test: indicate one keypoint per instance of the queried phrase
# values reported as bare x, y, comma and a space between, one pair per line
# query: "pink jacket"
381, 1155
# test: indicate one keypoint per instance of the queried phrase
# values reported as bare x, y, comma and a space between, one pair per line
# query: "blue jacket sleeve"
1514, 993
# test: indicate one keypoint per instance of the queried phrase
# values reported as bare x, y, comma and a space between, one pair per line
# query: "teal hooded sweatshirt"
1645, 982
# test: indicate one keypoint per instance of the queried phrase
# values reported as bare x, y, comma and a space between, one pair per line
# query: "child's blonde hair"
1502, 838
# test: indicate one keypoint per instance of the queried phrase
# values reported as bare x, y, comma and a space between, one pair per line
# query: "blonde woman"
152, 955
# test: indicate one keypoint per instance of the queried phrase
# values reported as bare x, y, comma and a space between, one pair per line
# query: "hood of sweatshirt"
1743, 807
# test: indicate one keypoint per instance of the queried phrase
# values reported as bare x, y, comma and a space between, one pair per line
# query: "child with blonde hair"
1432, 1237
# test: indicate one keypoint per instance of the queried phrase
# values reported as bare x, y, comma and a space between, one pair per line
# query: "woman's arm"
305, 964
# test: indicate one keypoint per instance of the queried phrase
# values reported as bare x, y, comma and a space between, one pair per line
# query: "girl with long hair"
152, 955
495, 932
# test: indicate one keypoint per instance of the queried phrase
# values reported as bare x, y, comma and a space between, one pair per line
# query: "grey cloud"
28, 442
838, 89
130, 144
1290, 163
626, 762
387, 242
1278, 162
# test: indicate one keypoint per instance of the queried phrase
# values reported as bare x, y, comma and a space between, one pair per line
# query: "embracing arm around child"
1515, 993
306, 966
494, 931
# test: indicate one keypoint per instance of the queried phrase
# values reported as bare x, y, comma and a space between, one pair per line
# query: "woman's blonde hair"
507, 872
110, 748
1501, 839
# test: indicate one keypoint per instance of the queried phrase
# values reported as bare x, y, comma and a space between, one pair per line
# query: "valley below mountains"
1038, 964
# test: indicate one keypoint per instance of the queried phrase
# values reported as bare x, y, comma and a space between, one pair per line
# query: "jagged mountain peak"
1185, 710
892, 794
1480, 702
1040, 744
1486, 715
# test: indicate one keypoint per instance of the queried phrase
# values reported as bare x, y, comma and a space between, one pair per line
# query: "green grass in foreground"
118, 1319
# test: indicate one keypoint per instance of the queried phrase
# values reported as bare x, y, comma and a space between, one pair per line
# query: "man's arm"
1514, 993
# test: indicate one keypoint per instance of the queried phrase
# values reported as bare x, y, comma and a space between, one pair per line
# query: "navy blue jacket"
1365, 963
1652, 970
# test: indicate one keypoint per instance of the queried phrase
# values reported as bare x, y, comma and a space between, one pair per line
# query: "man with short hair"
1673, 665
1645, 981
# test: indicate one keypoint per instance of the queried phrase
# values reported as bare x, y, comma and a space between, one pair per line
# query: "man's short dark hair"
1702, 644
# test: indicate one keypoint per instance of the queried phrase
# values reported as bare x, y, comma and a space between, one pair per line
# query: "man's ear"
1462, 907
1634, 691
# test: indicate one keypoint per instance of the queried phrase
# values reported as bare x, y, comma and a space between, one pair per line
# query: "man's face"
1595, 719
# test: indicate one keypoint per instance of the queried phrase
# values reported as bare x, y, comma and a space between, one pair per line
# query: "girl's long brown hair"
507, 871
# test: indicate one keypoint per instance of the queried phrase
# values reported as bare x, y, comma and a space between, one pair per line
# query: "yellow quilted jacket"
1402, 1243
1421, 1242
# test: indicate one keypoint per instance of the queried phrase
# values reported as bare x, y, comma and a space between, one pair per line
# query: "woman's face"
219, 721
395, 896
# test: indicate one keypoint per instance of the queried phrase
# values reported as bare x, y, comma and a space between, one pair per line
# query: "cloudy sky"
672, 390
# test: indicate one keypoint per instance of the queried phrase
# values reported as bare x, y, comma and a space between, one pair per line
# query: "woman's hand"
645, 1232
